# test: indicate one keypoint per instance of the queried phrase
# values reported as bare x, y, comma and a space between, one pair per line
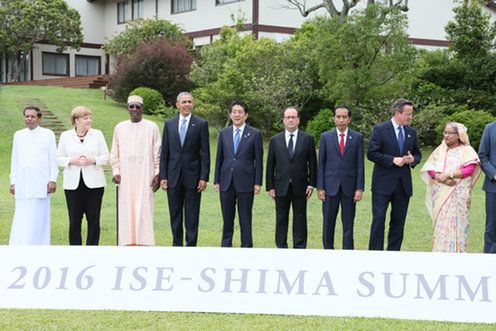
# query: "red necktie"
341, 143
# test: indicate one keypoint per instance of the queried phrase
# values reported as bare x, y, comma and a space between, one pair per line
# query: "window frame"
124, 6
99, 58
140, 12
174, 11
68, 66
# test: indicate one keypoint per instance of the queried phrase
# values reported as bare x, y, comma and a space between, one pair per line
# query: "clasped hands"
82, 160
401, 161
445, 178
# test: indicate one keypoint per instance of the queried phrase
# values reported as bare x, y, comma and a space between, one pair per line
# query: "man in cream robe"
33, 176
135, 165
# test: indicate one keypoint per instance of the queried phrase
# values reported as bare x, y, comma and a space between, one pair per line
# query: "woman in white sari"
450, 172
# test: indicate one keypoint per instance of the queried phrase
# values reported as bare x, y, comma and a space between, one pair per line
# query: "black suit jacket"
244, 169
300, 170
192, 160
383, 148
336, 170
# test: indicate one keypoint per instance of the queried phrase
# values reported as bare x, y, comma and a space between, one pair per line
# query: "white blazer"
93, 145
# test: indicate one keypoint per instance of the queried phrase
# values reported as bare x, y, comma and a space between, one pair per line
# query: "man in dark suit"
487, 155
394, 150
291, 175
185, 168
238, 173
341, 177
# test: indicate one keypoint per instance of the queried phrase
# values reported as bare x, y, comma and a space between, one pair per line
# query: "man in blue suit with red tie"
340, 177
394, 149
238, 173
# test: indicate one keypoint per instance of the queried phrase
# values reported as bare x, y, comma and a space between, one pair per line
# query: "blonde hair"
78, 112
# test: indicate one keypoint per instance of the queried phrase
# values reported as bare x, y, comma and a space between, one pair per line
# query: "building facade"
202, 20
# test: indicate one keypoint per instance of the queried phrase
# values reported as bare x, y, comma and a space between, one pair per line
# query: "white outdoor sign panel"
407, 285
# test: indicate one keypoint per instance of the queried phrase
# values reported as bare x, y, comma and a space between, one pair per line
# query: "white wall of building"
426, 18
92, 19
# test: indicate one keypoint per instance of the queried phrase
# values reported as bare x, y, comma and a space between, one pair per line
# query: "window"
222, 2
87, 65
179, 6
122, 12
55, 64
137, 9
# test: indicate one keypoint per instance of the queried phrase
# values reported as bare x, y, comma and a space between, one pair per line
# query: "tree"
26, 22
158, 64
365, 62
141, 30
267, 75
464, 75
339, 11
471, 33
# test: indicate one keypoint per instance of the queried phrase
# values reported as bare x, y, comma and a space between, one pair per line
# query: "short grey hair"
183, 94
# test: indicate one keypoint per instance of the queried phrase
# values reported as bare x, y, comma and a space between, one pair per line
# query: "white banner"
407, 285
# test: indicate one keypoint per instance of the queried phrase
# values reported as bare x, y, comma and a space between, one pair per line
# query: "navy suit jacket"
244, 169
487, 155
383, 148
192, 160
345, 171
300, 170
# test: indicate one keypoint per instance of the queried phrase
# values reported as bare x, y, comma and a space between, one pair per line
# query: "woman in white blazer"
81, 152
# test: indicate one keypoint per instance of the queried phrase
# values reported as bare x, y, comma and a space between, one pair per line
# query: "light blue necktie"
237, 137
401, 139
182, 131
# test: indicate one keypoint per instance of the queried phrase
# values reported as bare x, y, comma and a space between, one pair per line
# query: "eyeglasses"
290, 117
446, 133
138, 107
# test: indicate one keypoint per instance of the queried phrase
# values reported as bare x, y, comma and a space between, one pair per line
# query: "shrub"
426, 123
140, 30
475, 121
159, 64
321, 123
152, 99
166, 112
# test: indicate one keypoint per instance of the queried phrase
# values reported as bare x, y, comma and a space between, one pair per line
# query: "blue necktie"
237, 137
401, 139
182, 131
291, 146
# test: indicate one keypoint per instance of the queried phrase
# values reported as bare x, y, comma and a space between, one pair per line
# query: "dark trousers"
87, 201
490, 232
399, 205
228, 201
184, 201
330, 209
299, 204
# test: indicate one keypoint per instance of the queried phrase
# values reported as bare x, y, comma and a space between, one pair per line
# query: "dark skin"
136, 115
32, 119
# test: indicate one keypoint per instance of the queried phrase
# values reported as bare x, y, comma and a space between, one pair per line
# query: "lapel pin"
408, 135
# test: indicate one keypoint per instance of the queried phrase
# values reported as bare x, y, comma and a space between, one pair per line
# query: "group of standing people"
179, 163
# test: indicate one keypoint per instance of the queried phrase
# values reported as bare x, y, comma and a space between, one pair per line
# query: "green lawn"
107, 113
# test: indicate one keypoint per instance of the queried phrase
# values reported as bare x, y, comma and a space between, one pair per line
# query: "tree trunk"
14, 71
